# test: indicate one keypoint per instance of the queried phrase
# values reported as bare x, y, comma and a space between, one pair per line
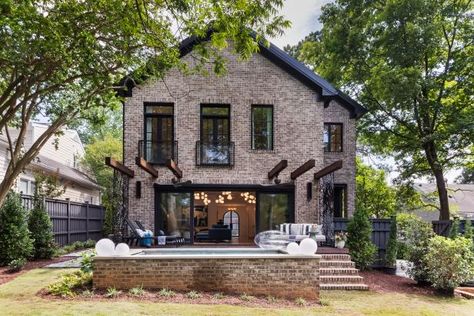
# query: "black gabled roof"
327, 91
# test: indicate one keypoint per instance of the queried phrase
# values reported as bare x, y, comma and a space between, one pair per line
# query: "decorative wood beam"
111, 162
173, 166
328, 169
145, 165
303, 168
277, 169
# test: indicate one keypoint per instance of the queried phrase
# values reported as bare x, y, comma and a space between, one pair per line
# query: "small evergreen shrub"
137, 291
300, 301
15, 240
359, 239
218, 296
391, 253
112, 292
455, 230
449, 262
468, 229
166, 293
16, 265
86, 261
41, 229
246, 298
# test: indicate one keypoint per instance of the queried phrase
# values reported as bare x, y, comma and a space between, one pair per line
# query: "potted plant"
340, 238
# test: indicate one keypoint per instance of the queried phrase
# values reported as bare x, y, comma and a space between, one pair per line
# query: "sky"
303, 15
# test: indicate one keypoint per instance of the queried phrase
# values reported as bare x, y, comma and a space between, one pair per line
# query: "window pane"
215, 110
175, 214
23, 187
273, 210
332, 138
262, 127
159, 109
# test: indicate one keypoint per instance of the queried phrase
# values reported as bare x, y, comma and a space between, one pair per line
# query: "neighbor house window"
26, 187
332, 137
262, 127
158, 145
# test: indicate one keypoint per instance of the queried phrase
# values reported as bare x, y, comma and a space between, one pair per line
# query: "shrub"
112, 292
449, 262
41, 229
246, 298
166, 293
16, 265
69, 282
77, 245
455, 230
359, 240
468, 229
15, 240
271, 299
86, 261
414, 235
137, 291
218, 296
193, 295
300, 301
391, 254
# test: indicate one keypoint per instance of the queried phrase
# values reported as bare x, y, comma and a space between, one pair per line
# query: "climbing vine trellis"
326, 206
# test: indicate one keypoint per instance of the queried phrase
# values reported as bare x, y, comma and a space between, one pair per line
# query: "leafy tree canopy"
410, 62
62, 58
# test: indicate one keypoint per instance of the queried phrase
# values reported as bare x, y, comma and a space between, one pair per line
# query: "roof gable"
282, 59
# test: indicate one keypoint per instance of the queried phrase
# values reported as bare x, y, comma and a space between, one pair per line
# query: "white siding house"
59, 157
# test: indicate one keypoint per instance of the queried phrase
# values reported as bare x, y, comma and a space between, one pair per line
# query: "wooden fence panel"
380, 236
72, 221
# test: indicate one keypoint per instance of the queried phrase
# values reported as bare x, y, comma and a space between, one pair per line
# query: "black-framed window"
333, 137
215, 145
340, 200
262, 127
158, 144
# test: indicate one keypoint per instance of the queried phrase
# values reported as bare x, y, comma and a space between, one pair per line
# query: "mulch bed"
381, 282
181, 298
6, 276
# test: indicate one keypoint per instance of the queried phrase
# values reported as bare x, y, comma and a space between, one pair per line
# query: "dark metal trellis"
119, 203
326, 206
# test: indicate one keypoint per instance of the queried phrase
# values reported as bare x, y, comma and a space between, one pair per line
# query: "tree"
93, 161
392, 245
467, 175
359, 239
410, 63
63, 59
15, 241
378, 198
41, 229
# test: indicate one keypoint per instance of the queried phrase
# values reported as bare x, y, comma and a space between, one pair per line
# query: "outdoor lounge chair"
134, 238
170, 240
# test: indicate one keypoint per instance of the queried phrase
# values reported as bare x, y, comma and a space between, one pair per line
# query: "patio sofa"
300, 231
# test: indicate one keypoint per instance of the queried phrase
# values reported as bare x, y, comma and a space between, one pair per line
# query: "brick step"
354, 286
340, 257
341, 279
338, 271
336, 264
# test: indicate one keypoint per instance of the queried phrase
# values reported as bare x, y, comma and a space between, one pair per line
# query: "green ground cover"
19, 297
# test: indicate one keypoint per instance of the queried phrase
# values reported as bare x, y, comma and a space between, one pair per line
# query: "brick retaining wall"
280, 277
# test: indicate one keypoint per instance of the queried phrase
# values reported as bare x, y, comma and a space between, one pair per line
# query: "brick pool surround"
251, 272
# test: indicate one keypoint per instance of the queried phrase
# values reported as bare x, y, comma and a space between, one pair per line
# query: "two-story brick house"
226, 134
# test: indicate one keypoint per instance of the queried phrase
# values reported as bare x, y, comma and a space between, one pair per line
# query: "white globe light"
105, 247
308, 246
122, 250
293, 248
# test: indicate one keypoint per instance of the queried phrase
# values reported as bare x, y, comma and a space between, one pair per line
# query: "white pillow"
319, 229
140, 232
295, 229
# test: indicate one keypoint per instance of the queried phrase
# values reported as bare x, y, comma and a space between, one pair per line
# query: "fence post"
87, 220
68, 211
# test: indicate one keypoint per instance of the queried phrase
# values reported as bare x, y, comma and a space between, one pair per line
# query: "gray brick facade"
298, 131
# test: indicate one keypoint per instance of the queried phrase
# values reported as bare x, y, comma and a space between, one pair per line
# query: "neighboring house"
59, 158
226, 134
461, 200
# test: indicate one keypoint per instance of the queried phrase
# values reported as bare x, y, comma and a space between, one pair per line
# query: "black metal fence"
72, 221
380, 235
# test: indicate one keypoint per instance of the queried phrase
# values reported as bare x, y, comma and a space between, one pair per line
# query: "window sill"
262, 151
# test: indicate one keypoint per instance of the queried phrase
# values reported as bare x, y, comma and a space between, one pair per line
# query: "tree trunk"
443, 195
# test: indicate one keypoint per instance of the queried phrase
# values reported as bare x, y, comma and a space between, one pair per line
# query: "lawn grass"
18, 297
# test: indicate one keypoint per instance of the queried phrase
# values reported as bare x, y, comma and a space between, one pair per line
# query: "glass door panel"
273, 209
174, 214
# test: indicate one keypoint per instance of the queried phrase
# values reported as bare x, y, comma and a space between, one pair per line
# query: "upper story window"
332, 137
262, 127
26, 187
158, 144
215, 147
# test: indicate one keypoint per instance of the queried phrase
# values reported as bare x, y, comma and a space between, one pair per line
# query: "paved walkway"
75, 261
